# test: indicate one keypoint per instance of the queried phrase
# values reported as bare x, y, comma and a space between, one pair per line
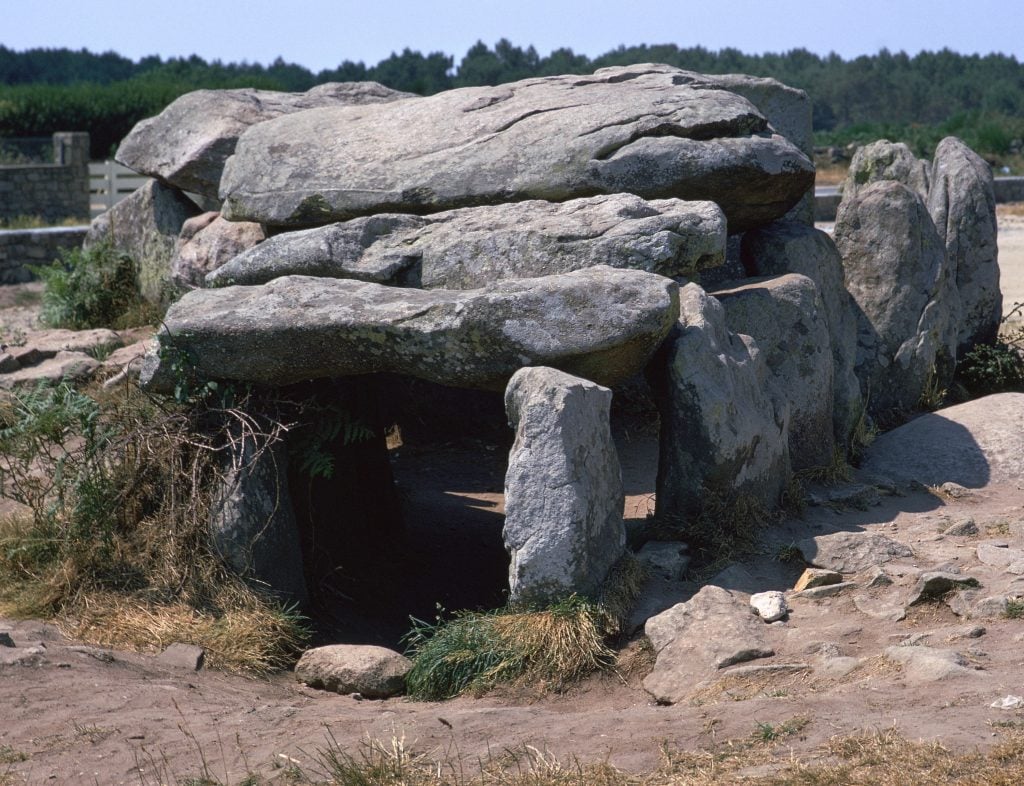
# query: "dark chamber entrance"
407, 521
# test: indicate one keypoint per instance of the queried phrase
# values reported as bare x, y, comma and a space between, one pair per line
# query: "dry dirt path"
82, 714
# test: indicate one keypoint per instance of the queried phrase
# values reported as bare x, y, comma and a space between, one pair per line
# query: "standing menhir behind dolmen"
919, 252
899, 276
961, 202
792, 247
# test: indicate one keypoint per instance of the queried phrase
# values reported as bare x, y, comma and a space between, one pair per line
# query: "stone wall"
1009, 189
53, 192
20, 247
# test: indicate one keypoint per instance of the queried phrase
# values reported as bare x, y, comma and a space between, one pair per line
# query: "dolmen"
548, 238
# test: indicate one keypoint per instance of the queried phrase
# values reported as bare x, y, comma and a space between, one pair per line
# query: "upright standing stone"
252, 522
563, 490
962, 204
720, 428
786, 316
897, 271
791, 247
146, 226
885, 160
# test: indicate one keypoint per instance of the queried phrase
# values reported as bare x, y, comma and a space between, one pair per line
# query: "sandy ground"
1011, 256
71, 713
79, 713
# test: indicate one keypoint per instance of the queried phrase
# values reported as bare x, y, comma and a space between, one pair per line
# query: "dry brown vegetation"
827, 174
1010, 210
111, 541
765, 758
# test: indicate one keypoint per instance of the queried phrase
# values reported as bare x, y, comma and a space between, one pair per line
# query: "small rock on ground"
770, 606
817, 577
666, 560
373, 672
927, 664
965, 527
935, 584
185, 656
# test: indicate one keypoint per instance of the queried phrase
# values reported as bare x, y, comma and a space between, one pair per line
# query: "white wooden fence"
109, 183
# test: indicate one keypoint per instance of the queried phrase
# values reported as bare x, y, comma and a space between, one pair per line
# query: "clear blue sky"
321, 33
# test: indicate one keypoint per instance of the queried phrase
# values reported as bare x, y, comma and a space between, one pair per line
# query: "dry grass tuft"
245, 635
727, 526
393, 763
765, 758
543, 648
546, 649
744, 687
621, 589
886, 758
872, 669
837, 471
1010, 210
828, 174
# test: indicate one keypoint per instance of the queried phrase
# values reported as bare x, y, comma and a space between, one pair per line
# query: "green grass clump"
90, 288
997, 367
769, 732
475, 651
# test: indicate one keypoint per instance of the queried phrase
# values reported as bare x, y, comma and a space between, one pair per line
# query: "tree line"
916, 98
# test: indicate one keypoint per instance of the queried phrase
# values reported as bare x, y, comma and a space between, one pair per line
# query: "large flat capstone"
474, 247
187, 144
599, 323
642, 129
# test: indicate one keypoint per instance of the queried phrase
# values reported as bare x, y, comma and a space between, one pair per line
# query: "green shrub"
90, 288
1014, 609
992, 368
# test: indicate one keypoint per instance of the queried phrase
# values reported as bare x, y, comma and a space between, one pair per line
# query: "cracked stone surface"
600, 323
474, 247
644, 129
187, 144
